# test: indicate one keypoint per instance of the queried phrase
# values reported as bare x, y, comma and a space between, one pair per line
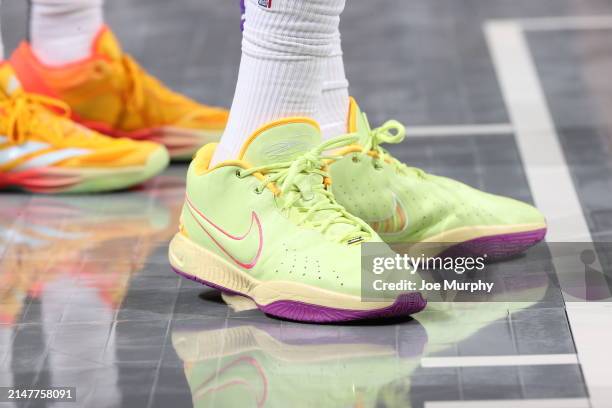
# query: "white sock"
332, 112
61, 31
283, 49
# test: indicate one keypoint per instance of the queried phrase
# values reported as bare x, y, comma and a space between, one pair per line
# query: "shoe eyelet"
258, 191
99, 69
308, 197
239, 173
377, 166
355, 159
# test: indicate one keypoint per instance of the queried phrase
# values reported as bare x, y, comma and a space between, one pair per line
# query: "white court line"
490, 129
494, 361
566, 23
545, 166
517, 403
553, 192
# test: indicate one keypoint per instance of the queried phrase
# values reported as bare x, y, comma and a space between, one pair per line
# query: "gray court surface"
491, 90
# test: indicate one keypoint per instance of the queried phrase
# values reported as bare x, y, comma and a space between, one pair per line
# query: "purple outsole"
498, 247
405, 305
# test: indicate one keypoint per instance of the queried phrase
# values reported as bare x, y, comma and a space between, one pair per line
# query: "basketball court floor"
513, 97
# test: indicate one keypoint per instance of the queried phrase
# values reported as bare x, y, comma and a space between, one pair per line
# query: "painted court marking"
510, 403
603, 22
492, 129
551, 183
493, 361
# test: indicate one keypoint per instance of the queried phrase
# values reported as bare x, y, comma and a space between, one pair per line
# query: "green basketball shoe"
266, 227
405, 205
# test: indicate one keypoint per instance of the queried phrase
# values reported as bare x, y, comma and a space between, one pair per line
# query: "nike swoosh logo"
234, 246
241, 362
395, 224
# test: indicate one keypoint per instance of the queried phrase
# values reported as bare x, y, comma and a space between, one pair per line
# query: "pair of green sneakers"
283, 225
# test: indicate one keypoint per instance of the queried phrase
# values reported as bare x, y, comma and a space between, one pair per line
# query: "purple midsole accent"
405, 305
498, 246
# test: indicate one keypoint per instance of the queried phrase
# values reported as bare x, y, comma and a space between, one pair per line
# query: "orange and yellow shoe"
43, 151
110, 93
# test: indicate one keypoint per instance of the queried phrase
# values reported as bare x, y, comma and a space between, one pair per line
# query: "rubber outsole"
181, 143
405, 305
57, 180
497, 247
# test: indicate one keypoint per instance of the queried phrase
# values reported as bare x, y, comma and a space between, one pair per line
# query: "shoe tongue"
281, 141
284, 141
9, 84
106, 44
357, 122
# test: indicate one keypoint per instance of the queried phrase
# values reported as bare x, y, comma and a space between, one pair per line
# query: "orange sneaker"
110, 93
43, 151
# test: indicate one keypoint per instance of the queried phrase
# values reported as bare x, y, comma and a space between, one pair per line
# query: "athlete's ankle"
62, 31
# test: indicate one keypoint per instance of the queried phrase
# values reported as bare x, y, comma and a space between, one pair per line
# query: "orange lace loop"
22, 116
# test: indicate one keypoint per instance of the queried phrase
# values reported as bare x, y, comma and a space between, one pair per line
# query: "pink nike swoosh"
201, 390
254, 221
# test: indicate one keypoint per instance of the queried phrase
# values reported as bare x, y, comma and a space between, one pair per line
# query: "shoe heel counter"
27, 69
